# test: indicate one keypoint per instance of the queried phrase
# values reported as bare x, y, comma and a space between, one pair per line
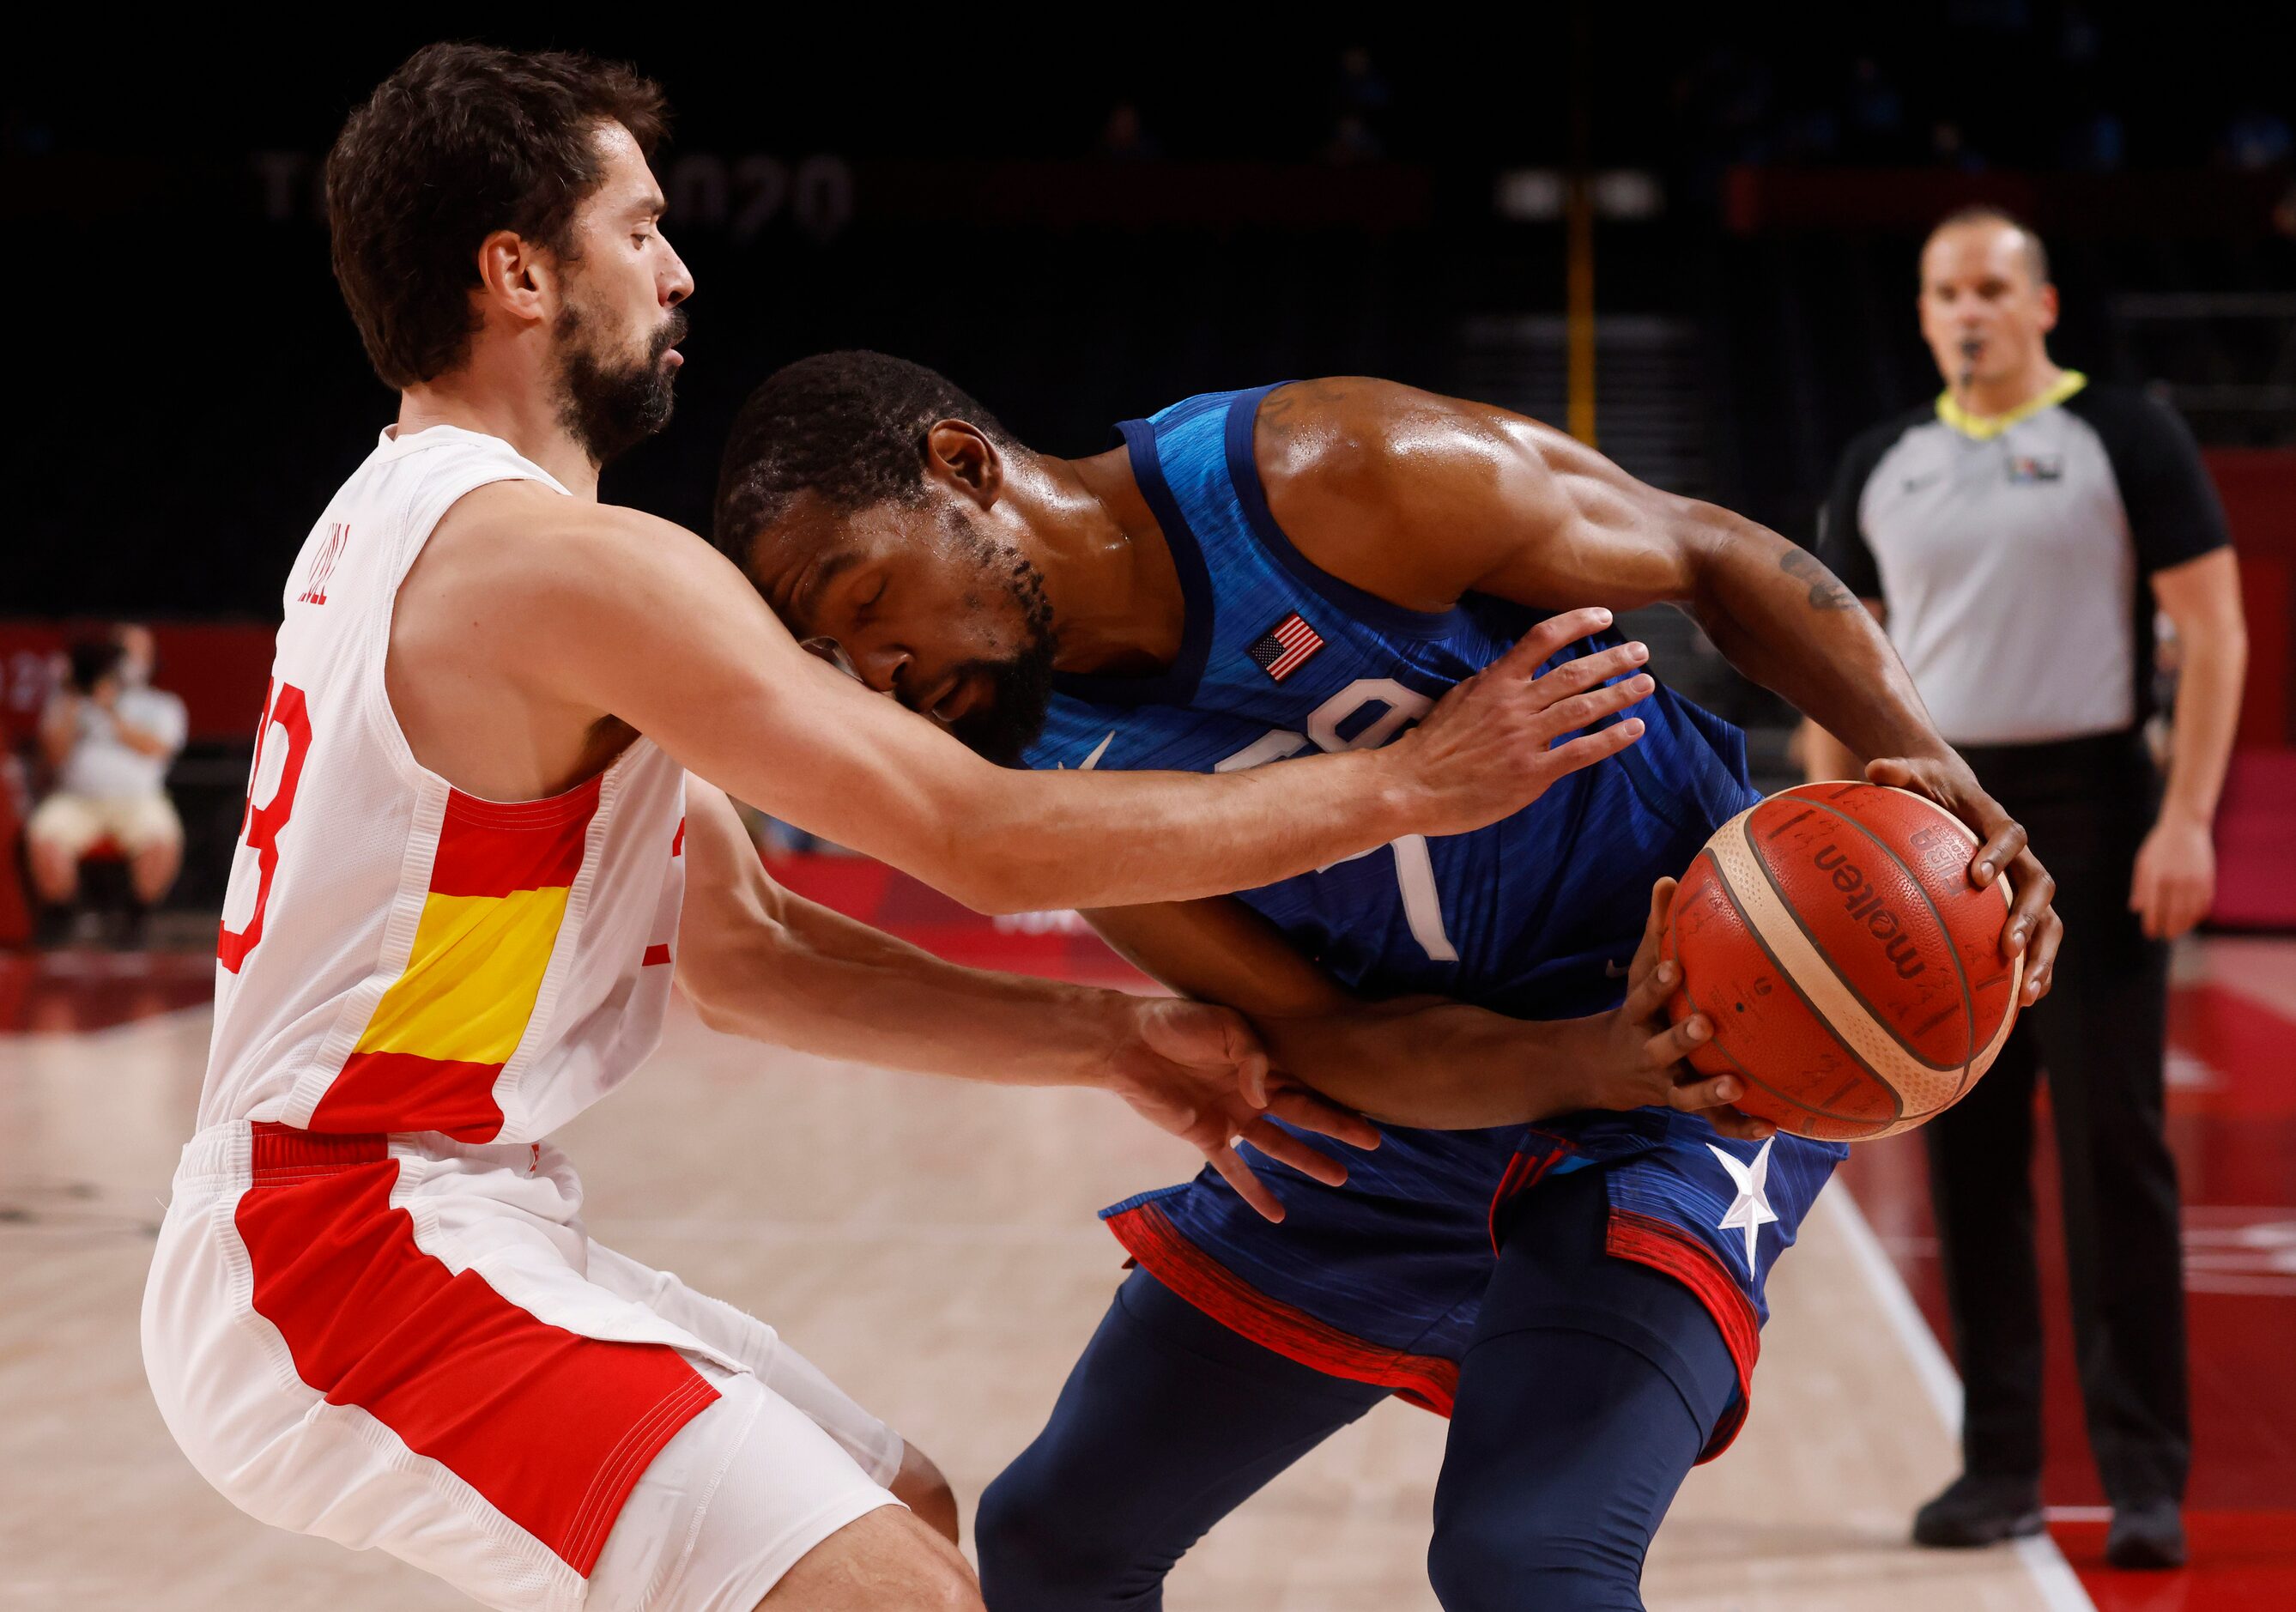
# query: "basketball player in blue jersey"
1557, 1242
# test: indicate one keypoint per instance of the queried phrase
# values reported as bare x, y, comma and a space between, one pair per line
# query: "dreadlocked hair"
848, 427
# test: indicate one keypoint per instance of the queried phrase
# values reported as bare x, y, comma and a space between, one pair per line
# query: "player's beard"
1002, 726
1020, 693
610, 403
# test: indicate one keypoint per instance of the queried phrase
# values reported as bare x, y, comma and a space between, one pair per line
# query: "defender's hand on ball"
1641, 1064
1488, 747
2034, 927
1199, 1072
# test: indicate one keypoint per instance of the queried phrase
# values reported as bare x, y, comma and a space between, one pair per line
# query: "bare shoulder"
523, 532
1352, 432
524, 558
1362, 473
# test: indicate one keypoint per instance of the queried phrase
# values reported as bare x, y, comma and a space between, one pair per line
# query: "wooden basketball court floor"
933, 1246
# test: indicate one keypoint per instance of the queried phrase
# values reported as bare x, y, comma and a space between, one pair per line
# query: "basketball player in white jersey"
472, 859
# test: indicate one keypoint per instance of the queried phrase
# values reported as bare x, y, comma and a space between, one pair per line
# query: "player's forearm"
1124, 839
1440, 1066
822, 984
2208, 715
703, 668
1784, 620
815, 749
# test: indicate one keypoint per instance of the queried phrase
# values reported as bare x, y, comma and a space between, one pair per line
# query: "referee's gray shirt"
2009, 552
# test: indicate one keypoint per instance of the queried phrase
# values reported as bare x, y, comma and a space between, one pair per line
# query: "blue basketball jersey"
1537, 916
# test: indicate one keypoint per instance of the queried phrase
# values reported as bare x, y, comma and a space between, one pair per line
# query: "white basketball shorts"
405, 1343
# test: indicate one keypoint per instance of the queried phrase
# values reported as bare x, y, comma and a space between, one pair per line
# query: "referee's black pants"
2100, 1036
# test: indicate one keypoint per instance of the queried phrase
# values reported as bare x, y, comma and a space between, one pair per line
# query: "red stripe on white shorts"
551, 1428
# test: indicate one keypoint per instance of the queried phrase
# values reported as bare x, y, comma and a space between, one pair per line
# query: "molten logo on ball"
1865, 902
1852, 974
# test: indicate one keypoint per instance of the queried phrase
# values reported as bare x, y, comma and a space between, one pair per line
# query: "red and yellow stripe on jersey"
438, 1039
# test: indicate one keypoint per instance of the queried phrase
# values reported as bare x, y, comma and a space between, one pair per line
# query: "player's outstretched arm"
757, 961
1422, 498
1428, 1062
609, 610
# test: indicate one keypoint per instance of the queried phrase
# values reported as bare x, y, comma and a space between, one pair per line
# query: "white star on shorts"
1752, 1207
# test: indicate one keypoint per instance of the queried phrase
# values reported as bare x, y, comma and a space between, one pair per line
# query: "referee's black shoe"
2150, 1534
1976, 1510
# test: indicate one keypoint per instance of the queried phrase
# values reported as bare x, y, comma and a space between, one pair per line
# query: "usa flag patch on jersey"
1286, 646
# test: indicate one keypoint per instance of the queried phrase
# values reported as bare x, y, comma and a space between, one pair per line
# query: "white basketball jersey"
396, 955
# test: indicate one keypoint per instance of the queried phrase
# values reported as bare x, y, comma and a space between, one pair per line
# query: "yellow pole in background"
1579, 241
1578, 315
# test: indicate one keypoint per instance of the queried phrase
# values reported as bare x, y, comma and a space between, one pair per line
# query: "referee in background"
2015, 540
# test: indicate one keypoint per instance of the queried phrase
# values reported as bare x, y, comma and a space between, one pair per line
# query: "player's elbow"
996, 885
731, 983
712, 1004
712, 1007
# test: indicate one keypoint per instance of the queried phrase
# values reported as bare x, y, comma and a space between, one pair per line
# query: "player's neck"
2003, 394
503, 399
1109, 575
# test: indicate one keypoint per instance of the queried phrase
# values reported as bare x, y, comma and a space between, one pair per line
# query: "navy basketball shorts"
1382, 1281
1590, 1386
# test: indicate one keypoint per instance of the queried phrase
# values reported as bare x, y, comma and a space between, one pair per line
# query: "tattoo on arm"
1288, 408
1825, 593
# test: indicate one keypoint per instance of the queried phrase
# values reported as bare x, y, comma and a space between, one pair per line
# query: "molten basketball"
1852, 974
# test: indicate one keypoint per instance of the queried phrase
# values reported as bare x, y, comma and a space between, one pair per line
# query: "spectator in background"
2257, 139
2095, 144
1877, 113
1948, 148
1360, 88
1360, 102
1124, 137
110, 736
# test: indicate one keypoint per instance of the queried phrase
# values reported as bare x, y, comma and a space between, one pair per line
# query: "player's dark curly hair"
848, 427
463, 140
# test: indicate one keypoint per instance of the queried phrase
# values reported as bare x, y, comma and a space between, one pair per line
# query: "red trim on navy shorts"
1523, 1172
551, 1428
1426, 1380
1665, 1247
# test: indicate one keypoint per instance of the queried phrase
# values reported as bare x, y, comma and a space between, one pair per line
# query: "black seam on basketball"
1897, 1098
1945, 931
1842, 979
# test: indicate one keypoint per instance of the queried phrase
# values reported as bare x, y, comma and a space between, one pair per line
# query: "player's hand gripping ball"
1852, 973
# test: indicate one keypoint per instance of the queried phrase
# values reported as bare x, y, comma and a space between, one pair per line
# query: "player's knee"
920, 1487
886, 1561
1012, 1529
1035, 1555
1493, 1560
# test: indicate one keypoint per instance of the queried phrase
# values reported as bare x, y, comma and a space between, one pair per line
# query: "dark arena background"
1688, 236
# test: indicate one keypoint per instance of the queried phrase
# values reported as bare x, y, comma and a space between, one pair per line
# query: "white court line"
2053, 1576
